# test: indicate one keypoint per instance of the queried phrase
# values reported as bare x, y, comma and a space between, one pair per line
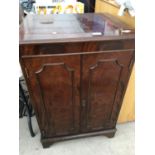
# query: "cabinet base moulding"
46, 142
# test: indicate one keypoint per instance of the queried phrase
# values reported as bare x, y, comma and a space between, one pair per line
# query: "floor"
121, 144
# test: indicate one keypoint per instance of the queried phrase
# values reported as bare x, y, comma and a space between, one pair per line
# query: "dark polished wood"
108, 133
72, 28
77, 69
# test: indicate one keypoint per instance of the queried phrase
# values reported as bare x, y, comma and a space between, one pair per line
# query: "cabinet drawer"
79, 47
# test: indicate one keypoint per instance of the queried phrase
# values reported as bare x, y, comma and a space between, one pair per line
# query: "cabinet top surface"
72, 27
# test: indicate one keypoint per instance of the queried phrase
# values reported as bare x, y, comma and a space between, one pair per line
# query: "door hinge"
27, 75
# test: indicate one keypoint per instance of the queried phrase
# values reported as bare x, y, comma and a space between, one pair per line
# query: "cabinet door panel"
105, 76
54, 81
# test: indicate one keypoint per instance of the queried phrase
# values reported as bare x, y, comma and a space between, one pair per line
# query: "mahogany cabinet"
77, 69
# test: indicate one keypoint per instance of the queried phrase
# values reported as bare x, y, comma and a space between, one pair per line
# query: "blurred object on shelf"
27, 6
58, 7
126, 4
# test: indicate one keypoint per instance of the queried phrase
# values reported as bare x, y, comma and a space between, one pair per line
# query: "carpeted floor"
121, 144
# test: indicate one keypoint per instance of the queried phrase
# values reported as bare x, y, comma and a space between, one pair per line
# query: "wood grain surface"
127, 112
76, 83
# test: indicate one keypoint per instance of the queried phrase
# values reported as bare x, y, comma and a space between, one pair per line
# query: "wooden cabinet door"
53, 83
105, 76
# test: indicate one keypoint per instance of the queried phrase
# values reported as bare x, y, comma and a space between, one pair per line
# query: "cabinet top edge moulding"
38, 29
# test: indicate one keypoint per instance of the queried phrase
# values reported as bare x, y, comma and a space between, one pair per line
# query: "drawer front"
66, 48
